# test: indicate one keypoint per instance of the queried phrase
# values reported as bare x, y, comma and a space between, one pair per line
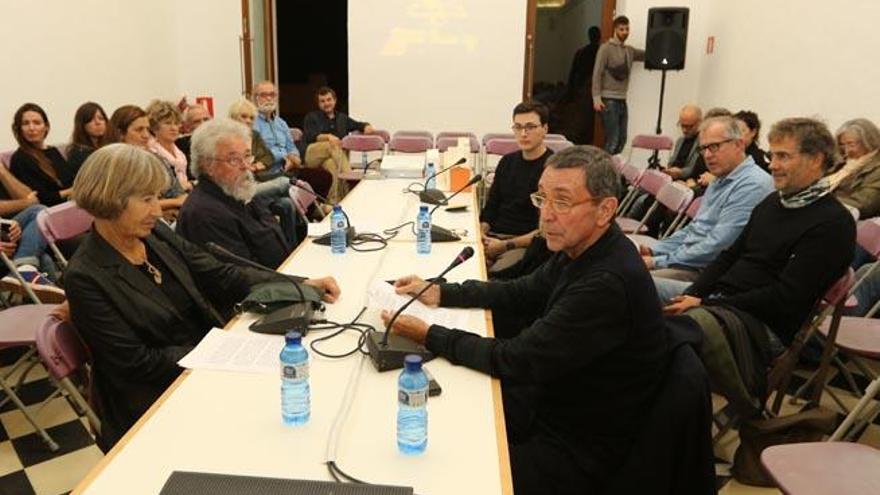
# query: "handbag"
757, 434
267, 297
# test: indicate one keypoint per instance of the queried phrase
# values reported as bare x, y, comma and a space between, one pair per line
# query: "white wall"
60, 53
559, 33
441, 65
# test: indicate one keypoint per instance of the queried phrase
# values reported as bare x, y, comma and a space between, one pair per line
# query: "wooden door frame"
246, 45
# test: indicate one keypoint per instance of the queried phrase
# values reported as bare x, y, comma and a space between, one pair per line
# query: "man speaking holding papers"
578, 380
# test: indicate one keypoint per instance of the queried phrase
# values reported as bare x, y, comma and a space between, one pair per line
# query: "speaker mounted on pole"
666, 37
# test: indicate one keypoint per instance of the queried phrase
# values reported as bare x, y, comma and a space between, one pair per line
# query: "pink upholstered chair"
651, 182
410, 144
62, 222
824, 468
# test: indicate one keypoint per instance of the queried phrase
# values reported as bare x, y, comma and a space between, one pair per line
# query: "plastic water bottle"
412, 407
364, 161
423, 231
429, 173
338, 230
295, 400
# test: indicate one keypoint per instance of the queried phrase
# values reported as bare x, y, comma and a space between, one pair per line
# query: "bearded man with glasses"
597, 330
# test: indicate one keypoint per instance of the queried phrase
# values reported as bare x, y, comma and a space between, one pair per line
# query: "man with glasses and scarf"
578, 382
796, 244
509, 222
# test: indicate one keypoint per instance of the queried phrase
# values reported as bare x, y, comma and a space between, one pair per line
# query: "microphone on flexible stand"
388, 351
436, 196
296, 316
439, 234
324, 240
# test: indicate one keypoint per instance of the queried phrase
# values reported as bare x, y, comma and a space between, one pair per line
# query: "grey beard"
243, 189
268, 107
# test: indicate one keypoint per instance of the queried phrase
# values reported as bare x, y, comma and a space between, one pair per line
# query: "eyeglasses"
712, 147
528, 128
267, 94
559, 206
782, 156
236, 160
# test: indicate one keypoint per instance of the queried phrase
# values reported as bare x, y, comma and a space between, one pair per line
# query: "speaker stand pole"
654, 161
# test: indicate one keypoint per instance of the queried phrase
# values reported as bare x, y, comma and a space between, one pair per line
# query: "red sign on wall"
207, 102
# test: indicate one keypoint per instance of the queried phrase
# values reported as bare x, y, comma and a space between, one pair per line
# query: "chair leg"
81, 403
27, 415
870, 393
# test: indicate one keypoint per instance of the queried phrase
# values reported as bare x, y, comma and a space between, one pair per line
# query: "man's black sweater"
508, 208
594, 355
782, 263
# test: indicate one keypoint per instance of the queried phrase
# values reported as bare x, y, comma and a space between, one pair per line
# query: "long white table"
226, 422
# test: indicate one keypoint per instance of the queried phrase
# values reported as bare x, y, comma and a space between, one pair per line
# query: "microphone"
388, 351
324, 240
296, 316
436, 196
439, 234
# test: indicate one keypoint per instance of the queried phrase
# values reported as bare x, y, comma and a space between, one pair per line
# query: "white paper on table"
240, 351
381, 295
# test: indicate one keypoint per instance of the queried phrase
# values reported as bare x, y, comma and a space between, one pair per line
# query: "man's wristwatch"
509, 245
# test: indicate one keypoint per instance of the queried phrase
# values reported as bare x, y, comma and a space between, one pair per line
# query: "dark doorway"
312, 51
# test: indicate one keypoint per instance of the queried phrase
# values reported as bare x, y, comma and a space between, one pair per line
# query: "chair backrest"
467, 134
445, 142
296, 134
60, 347
497, 135
653, 180
840, 289
675, 196
693, 208
501, 146
410, 144
557, 146
618, 163
385, 135
652, 142
631, 173
555, 137
425, 134
6, 157
63, 221
302, 197
868, 236
363, 142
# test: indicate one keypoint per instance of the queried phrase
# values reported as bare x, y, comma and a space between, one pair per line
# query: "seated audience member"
246, 112
797, 243
140, 295
598, 330
274, 130
222, 207
165, 122
509, 221
857, 181
193, 117
686, 162
26, 247
131, 125
751, 127
323, 130
40, 167
724, 211
89, 133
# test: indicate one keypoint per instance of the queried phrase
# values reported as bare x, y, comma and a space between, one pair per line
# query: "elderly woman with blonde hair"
857, 181
140, 295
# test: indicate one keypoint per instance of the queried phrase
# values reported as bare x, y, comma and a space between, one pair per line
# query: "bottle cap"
413, 362
337, 208
293, 337
423, 208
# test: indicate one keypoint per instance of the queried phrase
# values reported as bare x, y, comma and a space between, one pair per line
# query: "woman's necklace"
152, 270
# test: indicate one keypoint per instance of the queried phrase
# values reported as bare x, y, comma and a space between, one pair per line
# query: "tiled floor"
28, 467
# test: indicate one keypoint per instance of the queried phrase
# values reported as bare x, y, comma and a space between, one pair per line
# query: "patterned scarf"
809, 195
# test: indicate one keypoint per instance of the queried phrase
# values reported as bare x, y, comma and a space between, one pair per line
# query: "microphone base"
390, 356
324, 240
439, 234
297, 316
432, 196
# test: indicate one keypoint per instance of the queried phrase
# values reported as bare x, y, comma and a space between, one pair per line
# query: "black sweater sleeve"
311, 128
25, 169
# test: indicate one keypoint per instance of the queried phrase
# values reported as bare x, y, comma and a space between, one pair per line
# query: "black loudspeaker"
667, 38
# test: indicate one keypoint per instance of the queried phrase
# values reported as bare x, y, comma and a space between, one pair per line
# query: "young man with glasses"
509, 222
223, 208
796, 244
740, 185
597, 329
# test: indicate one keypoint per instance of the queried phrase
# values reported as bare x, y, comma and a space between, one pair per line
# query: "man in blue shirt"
725, 209
273, 129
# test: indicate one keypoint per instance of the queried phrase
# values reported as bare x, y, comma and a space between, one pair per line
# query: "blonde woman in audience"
131, 125
857, 181
245, 112
165, 120
39, 166
89, 133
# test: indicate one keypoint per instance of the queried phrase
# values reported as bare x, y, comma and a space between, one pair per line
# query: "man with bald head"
273, 129
686, 161
726, 206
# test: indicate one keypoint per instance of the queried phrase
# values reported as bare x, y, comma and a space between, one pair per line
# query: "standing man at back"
273, 129
610, 82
